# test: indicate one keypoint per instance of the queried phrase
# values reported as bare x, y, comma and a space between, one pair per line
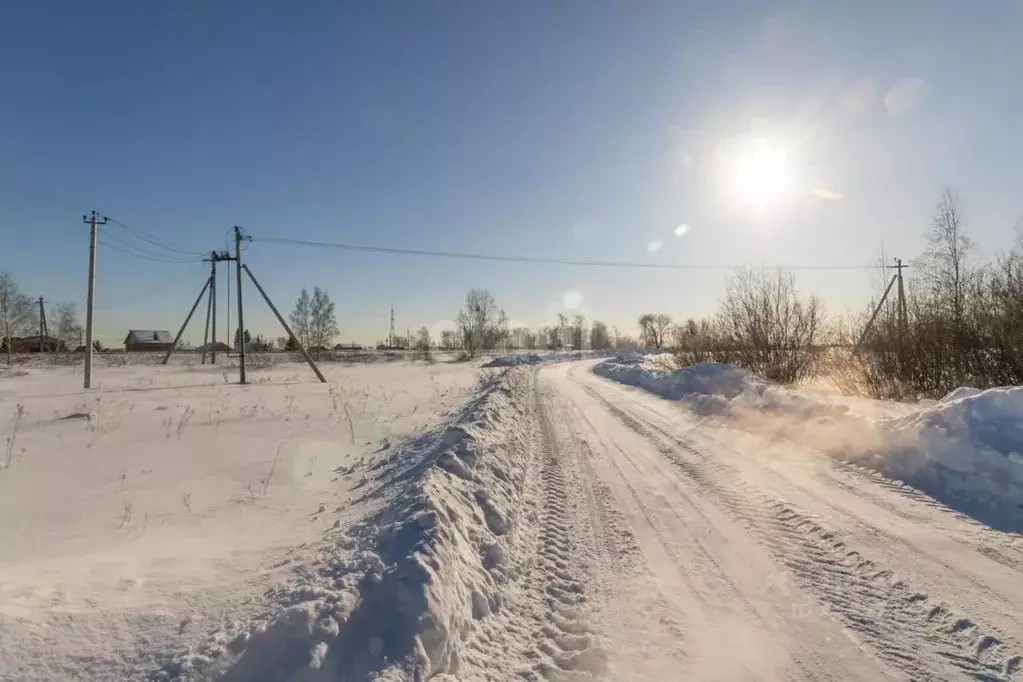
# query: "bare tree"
449, 338
300, 318
481, 324
69, 331
17, 313
423, 341
578, 331
653, 329
767, 327
600, 339
322, 322
946, 274
563, 339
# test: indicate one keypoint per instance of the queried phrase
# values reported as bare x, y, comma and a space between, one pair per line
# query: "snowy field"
154, 508
547, 518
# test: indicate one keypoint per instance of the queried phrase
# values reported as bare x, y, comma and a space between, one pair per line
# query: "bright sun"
757, 173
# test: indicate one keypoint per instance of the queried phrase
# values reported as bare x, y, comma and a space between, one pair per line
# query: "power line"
142, 254
547, 261
139, 233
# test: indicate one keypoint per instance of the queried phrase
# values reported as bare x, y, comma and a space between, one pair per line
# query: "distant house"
142, 340
347, 346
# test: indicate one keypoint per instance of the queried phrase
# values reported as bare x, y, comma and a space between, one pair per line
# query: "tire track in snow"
1005, 548
861, 594
566, 643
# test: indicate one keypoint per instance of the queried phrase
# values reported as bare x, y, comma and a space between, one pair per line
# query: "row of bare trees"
961, 325
482, 326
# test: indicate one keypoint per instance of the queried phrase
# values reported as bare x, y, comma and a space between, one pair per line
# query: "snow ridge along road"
756, 561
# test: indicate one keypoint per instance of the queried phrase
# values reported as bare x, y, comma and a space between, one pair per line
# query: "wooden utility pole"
213, 313
93, 220
44, 332
903, 316
241, 315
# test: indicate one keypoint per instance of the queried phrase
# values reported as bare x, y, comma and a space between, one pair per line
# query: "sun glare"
757, 173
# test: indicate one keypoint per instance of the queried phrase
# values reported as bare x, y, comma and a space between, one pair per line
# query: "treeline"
482, 326
961, 324
963, 321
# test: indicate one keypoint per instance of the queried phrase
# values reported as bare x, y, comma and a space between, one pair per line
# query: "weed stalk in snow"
335, 397
266, 481
19, 412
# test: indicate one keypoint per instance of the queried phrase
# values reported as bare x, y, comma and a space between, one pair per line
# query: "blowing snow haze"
529, 341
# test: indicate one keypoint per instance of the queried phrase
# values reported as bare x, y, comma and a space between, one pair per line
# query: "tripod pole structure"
187, 319
305, 353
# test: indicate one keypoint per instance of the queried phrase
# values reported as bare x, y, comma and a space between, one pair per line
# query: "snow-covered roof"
141, 336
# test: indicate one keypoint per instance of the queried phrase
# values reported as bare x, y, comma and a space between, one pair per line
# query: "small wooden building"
148, 340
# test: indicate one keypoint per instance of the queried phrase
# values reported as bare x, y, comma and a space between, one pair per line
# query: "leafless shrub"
763, 324
186, 499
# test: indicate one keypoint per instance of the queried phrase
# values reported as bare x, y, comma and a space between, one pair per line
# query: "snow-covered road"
709, 552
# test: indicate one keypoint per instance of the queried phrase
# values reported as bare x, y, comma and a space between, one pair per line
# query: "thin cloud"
654, 246
681, 230
904, 95
827, 194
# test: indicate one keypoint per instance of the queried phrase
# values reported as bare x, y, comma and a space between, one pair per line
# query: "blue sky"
580, 130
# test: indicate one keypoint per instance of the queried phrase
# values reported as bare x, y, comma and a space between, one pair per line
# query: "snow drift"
966, 450
395, 596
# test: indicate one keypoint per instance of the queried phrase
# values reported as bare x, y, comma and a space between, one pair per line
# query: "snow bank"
967, 447
966, 450
711, 387
397, 593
